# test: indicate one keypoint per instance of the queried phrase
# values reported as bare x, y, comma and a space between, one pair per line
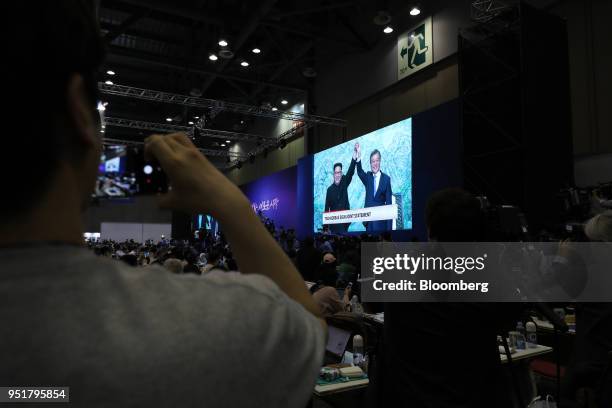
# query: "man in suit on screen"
378, 188
336, 198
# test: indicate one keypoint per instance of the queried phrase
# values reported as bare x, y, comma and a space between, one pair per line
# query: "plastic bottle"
532, 335
357, 350
355, 305
520, 341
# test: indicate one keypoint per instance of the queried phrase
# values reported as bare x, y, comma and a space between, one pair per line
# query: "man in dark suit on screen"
378, 188
336, 198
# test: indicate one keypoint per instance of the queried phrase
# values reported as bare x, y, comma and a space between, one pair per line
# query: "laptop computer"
337, 343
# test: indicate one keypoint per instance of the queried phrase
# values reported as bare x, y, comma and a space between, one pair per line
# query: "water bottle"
355, 306
532, 335
357, 350
520, 341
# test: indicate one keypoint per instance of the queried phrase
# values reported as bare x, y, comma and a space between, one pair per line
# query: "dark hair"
336, 165
214, 255
375, 151
454, 215
55, 39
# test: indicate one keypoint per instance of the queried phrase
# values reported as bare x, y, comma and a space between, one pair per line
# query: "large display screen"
372, 192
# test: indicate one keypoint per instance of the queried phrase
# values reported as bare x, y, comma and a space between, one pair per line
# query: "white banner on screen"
383, 212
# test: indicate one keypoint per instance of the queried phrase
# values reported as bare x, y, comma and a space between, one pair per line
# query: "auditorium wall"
141, 209
361, 88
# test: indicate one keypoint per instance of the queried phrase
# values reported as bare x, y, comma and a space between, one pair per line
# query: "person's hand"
355, 153
565, 248
358, 151
196, 186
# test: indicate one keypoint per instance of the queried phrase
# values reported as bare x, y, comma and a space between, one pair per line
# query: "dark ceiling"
166, 46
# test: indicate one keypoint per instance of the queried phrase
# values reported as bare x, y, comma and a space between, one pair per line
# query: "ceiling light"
275, 108
168, 119
256, 50
242, 122
108, 82
101, 107
415, 11
388, 30
223, 43
190, 122
213, 57
196, 117
244, 64
222, 144
109, 72
284, 102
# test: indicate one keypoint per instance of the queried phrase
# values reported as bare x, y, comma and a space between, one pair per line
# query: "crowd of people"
146, 330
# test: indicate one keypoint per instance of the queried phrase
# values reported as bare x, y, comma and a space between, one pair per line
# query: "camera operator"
590, 365
446, 354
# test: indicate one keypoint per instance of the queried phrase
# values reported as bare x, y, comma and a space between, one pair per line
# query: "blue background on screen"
395, 145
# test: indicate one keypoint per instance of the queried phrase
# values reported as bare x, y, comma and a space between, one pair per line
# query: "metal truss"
167, 128
140, 124
215, 105
486, 10
207, 152
268, 144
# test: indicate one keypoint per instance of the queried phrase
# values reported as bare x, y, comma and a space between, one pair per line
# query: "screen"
337, 340
372, 194
114, 178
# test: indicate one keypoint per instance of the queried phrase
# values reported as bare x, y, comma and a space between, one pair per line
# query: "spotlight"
147, 169
101, 107
284, 102
222, 43
244, 64
196, 117
222, 144
108, 82
109, 72
256, 50
242, 122
415, 11
168, 119
228, 141
213, 57
274, 108
190, 122
388, 30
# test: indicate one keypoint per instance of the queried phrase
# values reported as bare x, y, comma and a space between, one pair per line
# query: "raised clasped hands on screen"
357, 152
197, 186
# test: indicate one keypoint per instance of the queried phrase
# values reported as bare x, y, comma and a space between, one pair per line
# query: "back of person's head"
174, 265
308, 242
599, 228
54, 53
214, 256
454, 215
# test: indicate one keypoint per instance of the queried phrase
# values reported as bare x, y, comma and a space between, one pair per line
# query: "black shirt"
337, 195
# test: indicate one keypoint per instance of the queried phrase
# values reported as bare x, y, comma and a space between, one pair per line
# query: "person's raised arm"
351, 169
360, 172
197, 186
